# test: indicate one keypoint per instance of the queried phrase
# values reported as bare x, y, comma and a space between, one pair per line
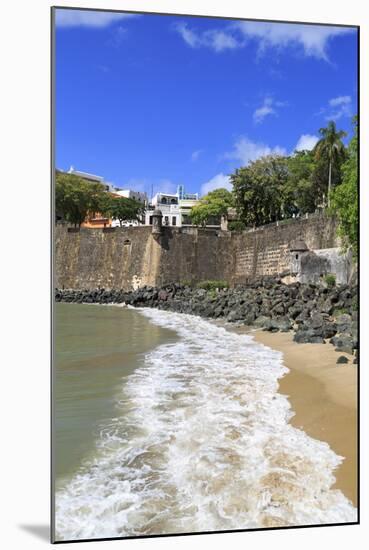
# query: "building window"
173, 201
166, 220
297, 256
150, 220
174, 220
163, 200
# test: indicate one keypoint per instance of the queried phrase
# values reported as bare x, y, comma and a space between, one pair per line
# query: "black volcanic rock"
315, 313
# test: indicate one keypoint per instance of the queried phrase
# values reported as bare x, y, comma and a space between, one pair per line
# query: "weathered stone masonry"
127, 258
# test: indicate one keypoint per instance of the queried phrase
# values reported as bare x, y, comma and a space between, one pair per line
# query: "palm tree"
331, 147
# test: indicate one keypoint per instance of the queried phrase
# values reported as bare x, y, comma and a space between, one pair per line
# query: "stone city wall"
131, 257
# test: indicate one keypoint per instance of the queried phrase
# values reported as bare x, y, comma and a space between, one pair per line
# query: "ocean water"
96, 348
196, 438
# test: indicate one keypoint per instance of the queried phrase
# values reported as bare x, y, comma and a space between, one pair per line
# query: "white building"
92, 177
169, 206
130, 223
185, 206
175, 207
130, 194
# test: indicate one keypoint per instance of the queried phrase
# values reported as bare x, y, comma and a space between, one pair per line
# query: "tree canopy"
345, 198
271, 188
330, 149
75, 197
275, 187
212, 207
299, 192
258, 190
122, 209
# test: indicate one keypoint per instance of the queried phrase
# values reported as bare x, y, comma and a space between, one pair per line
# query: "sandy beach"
323, 395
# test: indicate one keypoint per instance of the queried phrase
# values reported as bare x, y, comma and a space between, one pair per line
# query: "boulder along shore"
316, 313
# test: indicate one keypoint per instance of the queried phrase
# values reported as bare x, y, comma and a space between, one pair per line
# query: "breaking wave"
201, 442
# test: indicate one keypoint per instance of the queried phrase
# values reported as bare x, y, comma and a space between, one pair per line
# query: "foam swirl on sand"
201, 442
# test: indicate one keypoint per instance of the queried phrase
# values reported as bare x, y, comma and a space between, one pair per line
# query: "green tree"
236, 225
75, 197
212, 206
298, 193
345, 198
259, 190
331, 149
104, 205
121, 209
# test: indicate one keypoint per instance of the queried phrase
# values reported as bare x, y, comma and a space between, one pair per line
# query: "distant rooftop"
86, 175
182, 195
167, 194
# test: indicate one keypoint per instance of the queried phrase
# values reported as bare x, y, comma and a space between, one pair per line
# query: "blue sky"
152, 101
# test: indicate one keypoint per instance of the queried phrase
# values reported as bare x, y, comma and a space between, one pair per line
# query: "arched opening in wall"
126, 252
127, 246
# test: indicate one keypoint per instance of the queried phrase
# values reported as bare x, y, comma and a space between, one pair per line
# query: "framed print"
205, 242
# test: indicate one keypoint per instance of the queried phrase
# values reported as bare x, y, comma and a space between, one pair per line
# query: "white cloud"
219, 41
189, 36
195, 155
214, 39
340, 100
247, 151
82, 18
269, 107
306, 142
313, 39
217, 182
338, 107
263, 111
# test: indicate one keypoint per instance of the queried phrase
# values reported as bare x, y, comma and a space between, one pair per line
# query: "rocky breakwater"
317, 313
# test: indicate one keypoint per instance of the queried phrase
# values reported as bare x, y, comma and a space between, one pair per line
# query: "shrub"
236, 226
186, 283
330, 280
212, 285
339, 311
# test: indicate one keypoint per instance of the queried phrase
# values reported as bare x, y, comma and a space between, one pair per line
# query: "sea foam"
202, 442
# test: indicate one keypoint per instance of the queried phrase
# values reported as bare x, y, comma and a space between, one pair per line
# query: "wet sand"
323, 396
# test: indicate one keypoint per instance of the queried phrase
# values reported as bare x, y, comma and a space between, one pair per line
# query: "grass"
212, 285
339, 311
330, 280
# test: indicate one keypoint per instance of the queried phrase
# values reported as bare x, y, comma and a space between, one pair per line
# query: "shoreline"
203, 387
316, 313
323, 396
